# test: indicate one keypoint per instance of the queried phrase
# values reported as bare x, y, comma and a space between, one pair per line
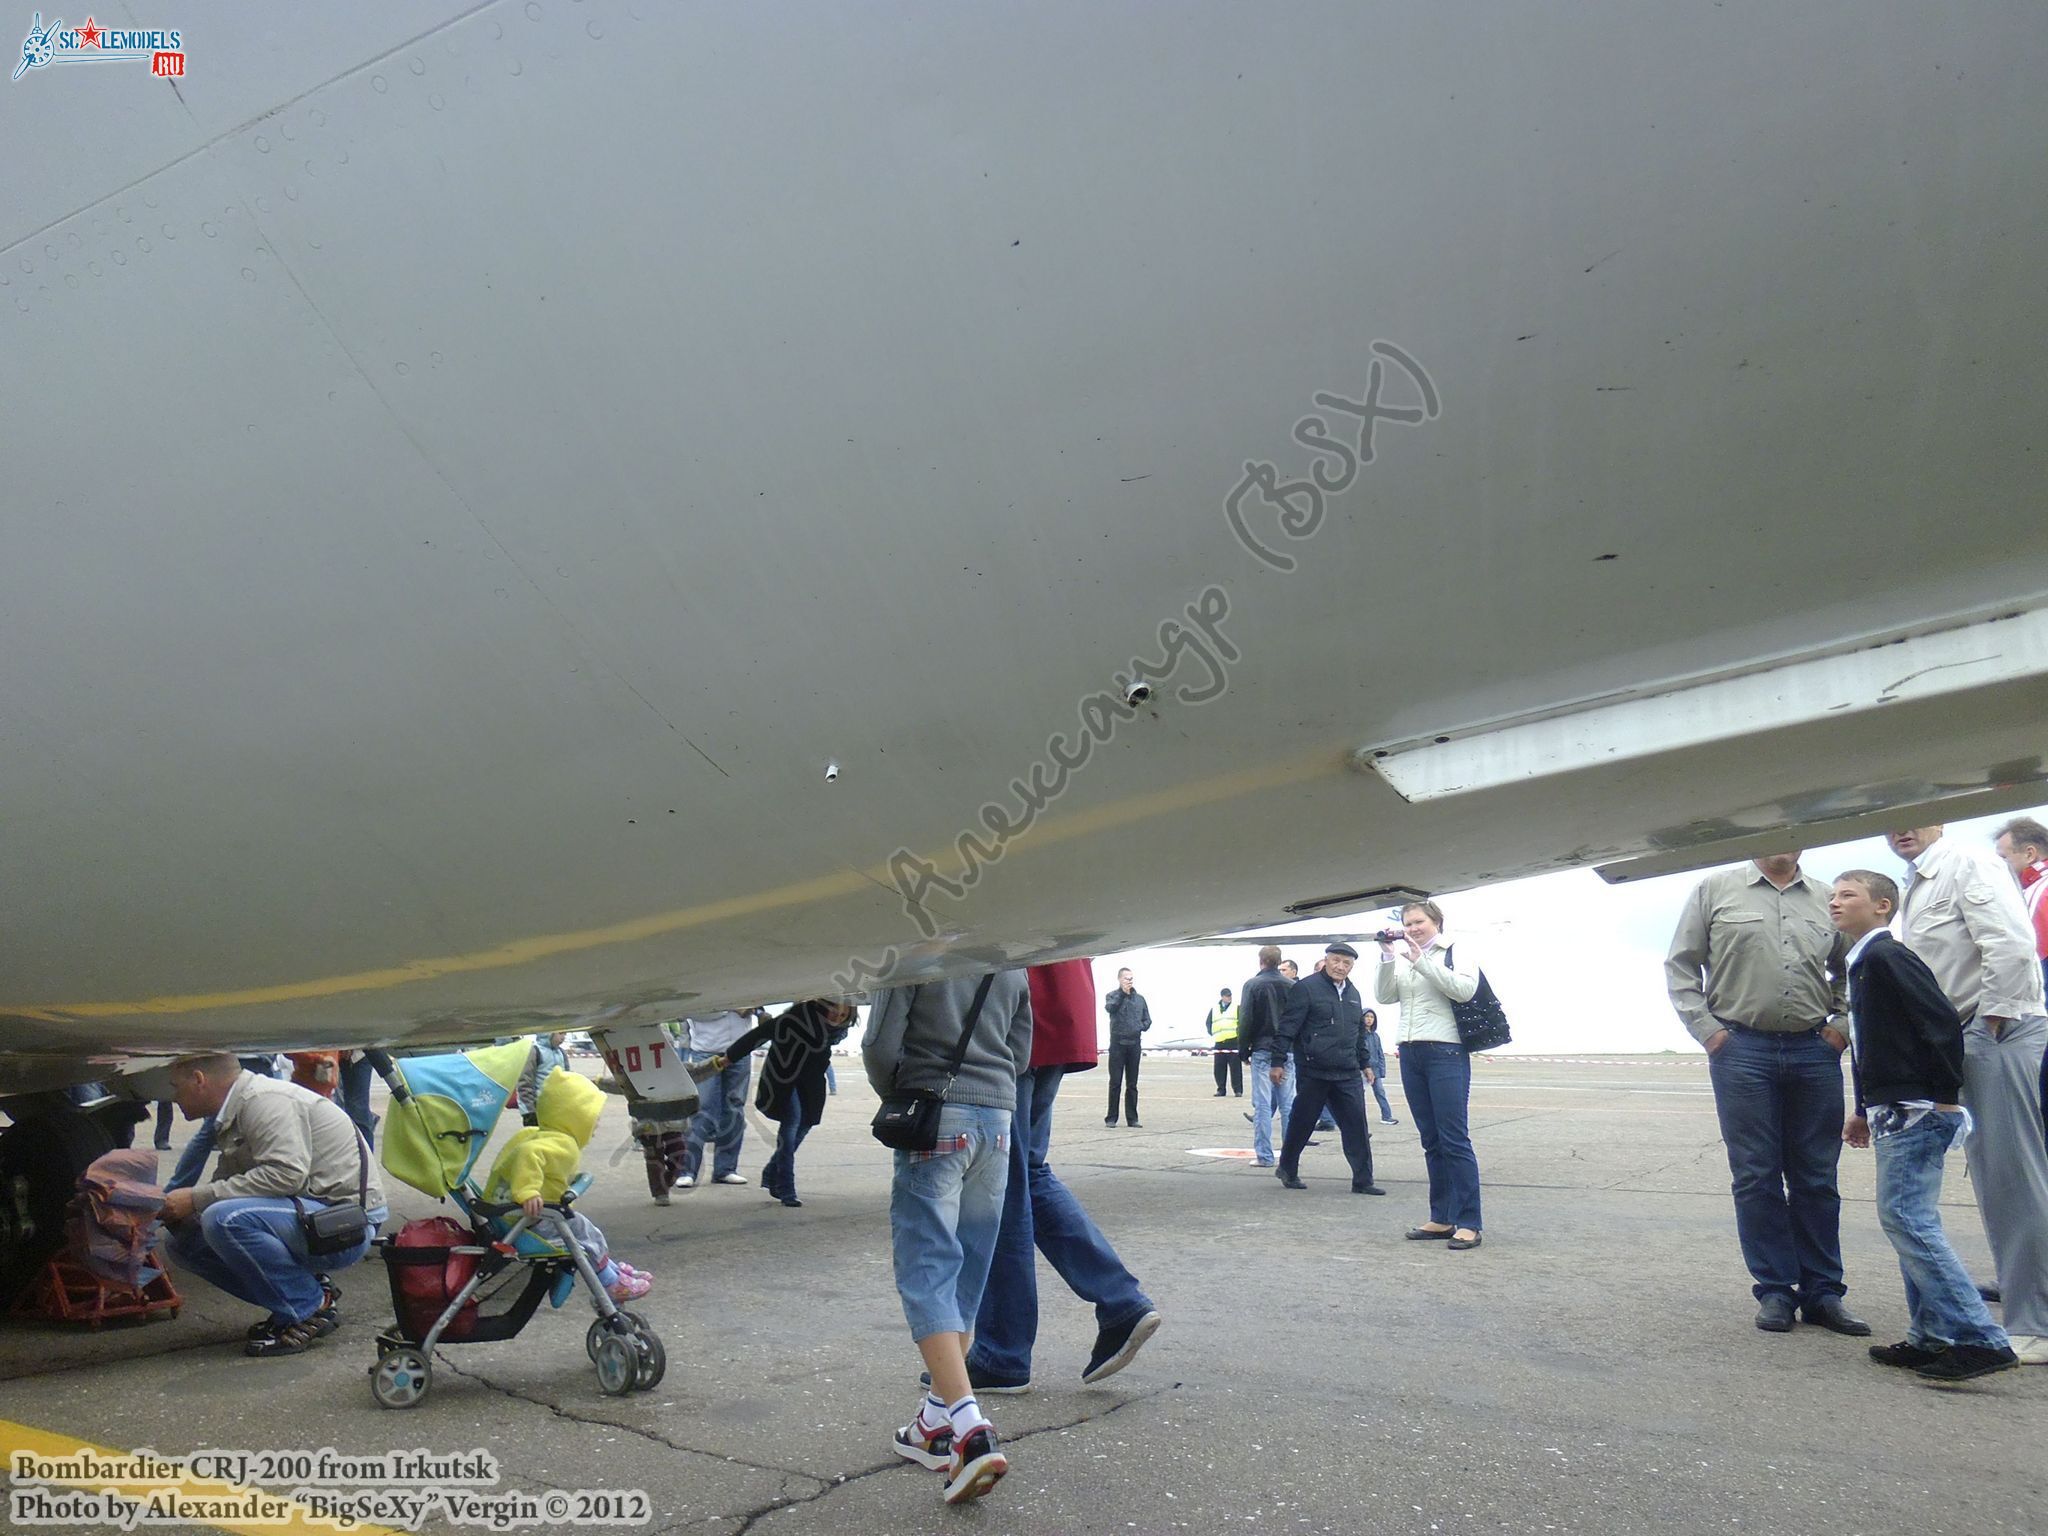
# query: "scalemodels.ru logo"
163, 51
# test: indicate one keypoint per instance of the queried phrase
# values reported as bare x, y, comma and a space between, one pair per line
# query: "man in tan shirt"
1756, 973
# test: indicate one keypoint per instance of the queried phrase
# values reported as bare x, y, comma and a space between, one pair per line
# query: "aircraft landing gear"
41, 1156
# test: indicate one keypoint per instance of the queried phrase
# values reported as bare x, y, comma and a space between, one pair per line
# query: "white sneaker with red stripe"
931, 1448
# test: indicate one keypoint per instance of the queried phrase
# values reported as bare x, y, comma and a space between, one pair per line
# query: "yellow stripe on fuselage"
821, 888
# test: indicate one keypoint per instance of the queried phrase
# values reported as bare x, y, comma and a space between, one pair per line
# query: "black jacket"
792, 1080
1909, 1038
1324, 1026
1129, 1015
1260, 1002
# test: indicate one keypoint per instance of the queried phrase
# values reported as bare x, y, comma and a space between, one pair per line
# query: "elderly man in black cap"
1323, 1024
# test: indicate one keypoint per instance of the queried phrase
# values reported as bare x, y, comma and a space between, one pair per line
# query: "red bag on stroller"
421, 1287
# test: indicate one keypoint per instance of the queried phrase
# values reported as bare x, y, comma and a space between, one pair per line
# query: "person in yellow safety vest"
1222, 1027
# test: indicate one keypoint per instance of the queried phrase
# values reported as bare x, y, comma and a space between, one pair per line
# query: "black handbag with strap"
343, 1225
1482, 1022
909, 1120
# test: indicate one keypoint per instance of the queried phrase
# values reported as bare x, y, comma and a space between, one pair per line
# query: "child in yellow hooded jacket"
538, 1164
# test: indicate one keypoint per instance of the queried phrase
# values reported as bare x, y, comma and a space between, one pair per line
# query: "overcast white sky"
1578, 963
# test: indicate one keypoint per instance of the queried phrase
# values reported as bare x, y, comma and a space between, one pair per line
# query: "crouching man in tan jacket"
285, 1153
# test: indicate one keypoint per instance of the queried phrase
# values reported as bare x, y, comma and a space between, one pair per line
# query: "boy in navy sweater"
1908, 1069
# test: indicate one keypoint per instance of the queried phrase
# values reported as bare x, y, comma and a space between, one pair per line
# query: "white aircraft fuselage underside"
517, 514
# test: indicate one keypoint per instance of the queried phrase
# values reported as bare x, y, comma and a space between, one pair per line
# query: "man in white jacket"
1961, 913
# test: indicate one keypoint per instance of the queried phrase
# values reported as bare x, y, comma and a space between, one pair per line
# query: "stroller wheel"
628, 1322
618, 1365
653, 1359
400, 1378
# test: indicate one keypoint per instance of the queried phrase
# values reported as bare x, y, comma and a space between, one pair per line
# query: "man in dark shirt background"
1129, 1017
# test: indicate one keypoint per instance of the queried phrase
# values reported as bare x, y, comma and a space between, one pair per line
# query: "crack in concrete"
753, 1517
442, 1362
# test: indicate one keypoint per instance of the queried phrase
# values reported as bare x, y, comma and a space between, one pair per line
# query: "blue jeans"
945, 1208
191, 1166
1779, 1098
723, 1118
1940, 1295
355, 1097
1040, 1212
1437, 1080
254, 1249
779, 1176
1379, 1091
1268, 1100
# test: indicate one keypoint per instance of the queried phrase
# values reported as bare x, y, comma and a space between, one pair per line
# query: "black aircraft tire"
49, 1148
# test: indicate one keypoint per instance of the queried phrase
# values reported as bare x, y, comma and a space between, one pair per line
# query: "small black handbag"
1482, 1022
909, 1120
343, 1225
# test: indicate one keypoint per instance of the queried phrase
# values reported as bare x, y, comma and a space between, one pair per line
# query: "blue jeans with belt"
723, 1118
1779, 1098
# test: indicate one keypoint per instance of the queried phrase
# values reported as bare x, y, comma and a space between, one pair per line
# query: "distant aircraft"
520, 520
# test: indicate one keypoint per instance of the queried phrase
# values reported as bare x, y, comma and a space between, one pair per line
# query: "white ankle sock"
931, 1414
965, 1414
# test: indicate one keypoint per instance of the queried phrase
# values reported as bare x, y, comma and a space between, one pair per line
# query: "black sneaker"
1117, 1347
1367, 1189
266, 1328
978, 1465
1288, 1180
1905, 1354
291, 1339
985, 1382
1966, 1362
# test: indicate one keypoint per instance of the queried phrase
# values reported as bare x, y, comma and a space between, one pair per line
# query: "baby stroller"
450, 1281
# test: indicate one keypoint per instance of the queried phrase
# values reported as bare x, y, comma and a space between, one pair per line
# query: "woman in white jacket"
1425, 976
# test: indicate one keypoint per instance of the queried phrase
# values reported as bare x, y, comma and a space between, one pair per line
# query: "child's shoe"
978, 1464
927, 1447
630, 1286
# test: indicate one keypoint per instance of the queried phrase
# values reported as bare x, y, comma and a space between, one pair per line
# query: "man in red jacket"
1040, 1211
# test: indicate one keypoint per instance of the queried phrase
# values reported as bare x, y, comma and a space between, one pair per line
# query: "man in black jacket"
1908, 1069
1323, 1026
1263, 1000
1129, 1017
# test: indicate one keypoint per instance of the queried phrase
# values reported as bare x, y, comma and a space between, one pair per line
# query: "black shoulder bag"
343, 1225
909, 1119
1482, 1022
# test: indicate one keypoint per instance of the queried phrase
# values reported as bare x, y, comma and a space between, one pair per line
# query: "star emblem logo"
89, 34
